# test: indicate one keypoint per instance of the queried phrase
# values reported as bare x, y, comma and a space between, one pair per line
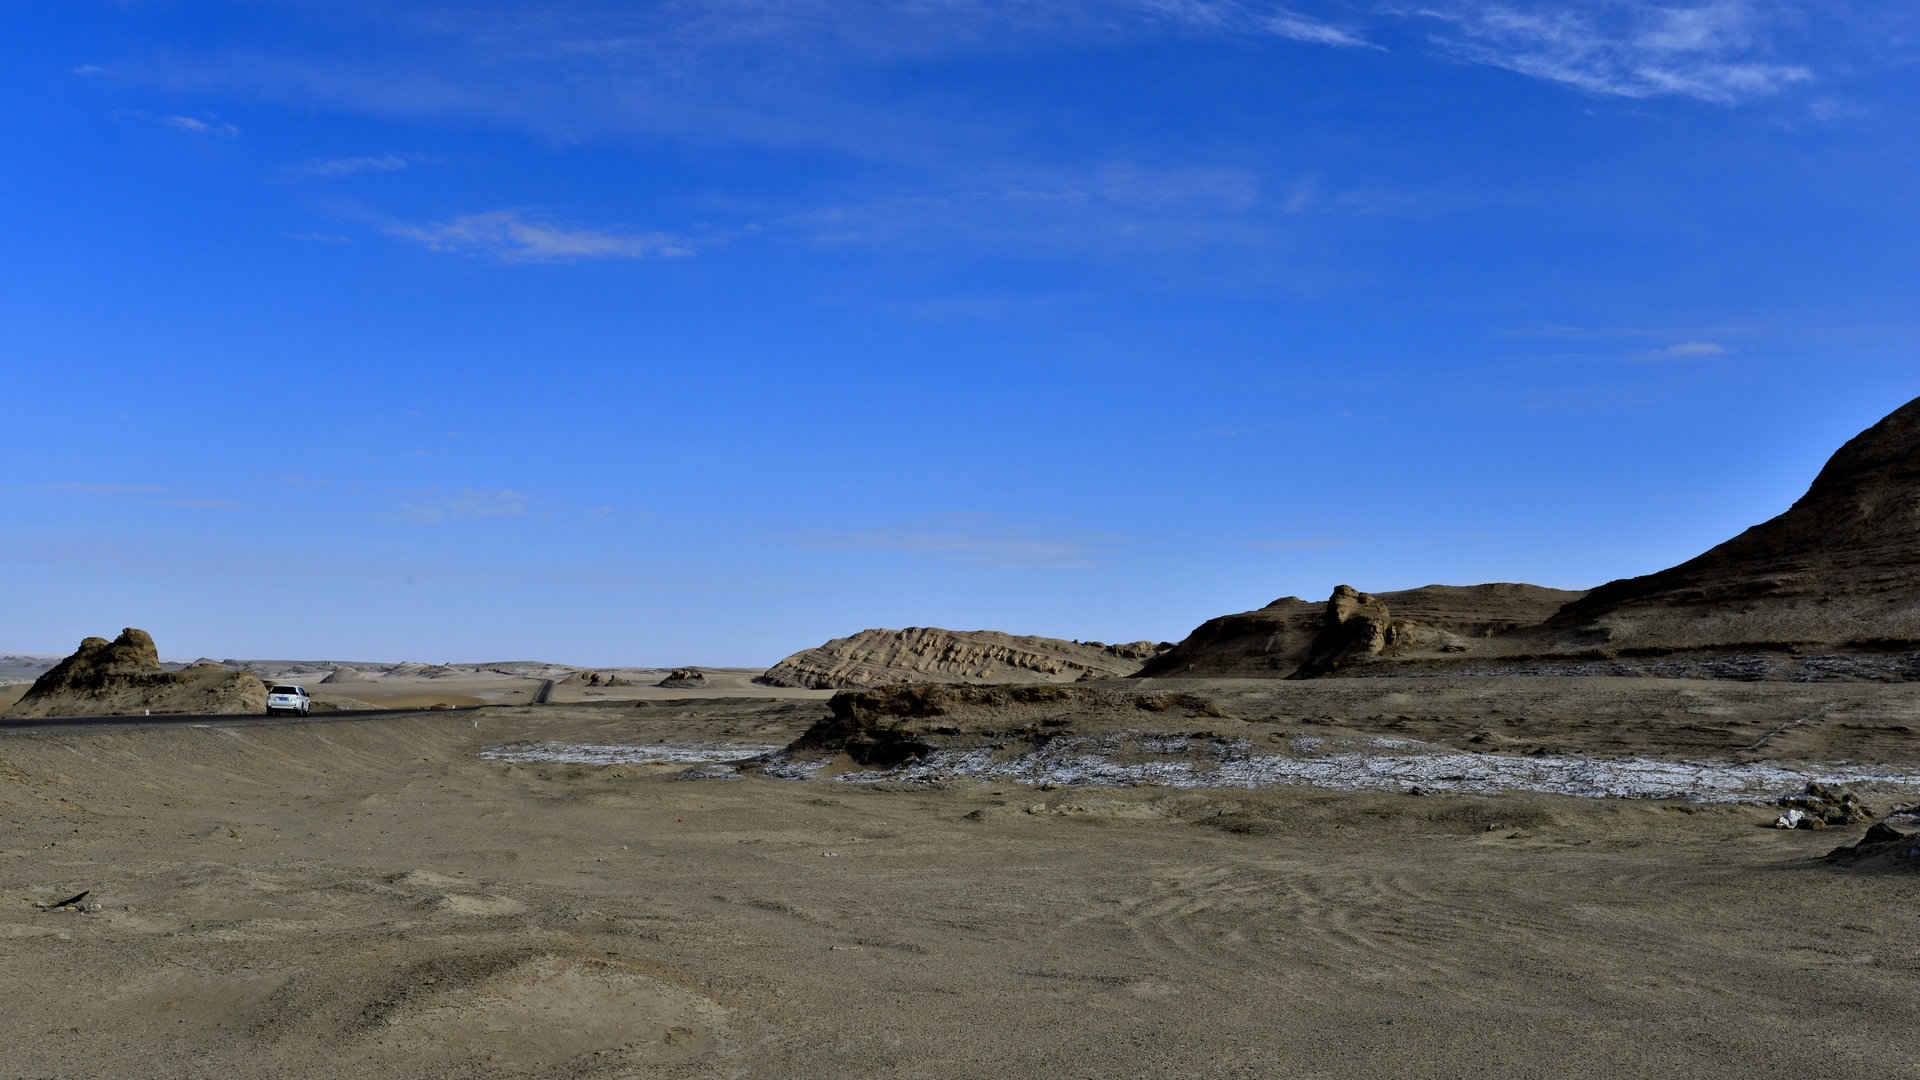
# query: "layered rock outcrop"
923, 654
124, 677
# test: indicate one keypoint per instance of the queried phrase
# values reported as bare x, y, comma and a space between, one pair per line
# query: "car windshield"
284, 690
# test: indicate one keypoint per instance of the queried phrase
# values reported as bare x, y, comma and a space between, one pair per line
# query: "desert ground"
337, 686
425, 894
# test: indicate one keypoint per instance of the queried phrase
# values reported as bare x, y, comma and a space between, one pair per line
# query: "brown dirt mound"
920, 654
125, 676
1883, 847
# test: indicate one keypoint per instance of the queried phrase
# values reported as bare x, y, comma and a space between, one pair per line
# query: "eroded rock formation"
1294, 638
124, 676
921, 654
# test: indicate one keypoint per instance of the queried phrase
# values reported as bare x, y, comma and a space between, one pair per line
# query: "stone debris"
1821, 807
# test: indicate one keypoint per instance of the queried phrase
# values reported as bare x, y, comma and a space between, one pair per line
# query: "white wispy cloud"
754, 71
1232, 17
775, 72
433, 508
197, 126
1685, 350
509, 236
1696, 348
348, 166
1718, 52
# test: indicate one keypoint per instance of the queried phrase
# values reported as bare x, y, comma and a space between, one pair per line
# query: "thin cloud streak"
508, 236
1696, 348
772, 74
1234, 18
745, 71
349, 166
1716, 53
196, 126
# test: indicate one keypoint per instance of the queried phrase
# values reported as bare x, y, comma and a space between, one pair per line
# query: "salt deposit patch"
617, 754
1378, 765
1133, 760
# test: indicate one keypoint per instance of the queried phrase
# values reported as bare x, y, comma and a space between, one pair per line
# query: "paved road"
49, 726
540, 695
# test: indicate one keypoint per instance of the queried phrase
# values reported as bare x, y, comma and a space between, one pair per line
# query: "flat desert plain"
426, 895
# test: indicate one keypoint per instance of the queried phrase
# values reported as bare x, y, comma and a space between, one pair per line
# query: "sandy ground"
461, 687
372, 897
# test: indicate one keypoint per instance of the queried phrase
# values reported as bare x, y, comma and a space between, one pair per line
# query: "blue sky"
668, 333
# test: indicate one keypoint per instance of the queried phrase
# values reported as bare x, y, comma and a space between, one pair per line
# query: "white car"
285, 697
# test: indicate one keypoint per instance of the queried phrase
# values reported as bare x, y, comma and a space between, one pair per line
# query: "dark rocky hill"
1840, 568
1292, 637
